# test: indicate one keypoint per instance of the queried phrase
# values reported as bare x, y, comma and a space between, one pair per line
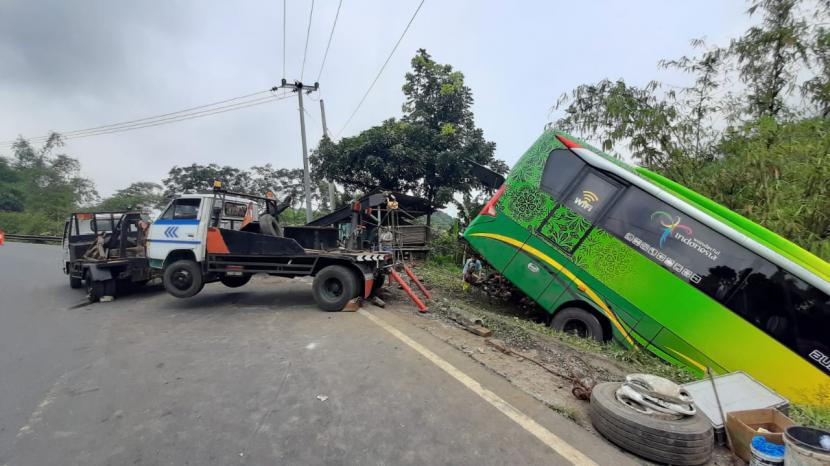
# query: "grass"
520, 328
811, 416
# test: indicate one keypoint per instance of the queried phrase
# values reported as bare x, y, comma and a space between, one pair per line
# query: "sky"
72, 65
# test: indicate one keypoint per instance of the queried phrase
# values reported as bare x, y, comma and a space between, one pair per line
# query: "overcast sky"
67, 65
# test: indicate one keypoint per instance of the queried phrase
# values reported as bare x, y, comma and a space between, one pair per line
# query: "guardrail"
34, 238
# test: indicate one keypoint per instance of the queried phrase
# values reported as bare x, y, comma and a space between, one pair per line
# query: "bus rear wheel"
579, 322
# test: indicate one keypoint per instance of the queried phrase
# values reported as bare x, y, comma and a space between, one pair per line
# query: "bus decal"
560, 268
690, 360
669, 225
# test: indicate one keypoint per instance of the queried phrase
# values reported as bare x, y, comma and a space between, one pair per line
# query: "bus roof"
711, 210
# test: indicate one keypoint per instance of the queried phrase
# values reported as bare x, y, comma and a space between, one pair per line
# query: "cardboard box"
743, 425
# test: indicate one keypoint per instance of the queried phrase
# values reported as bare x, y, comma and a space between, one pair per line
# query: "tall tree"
196, 177
137, 195
49, 182
769, 55
425, 151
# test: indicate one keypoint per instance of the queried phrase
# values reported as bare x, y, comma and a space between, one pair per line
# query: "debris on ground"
322, 397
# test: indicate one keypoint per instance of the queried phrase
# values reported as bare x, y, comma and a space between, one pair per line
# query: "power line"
283, 37
172, 119
307, 35
147, 119
331, 35
380, 71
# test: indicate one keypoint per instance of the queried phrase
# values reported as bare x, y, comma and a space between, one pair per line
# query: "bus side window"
762, 300
811, 310
561, 168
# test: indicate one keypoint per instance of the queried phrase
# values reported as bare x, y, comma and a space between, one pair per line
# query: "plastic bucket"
803, 447
763, 453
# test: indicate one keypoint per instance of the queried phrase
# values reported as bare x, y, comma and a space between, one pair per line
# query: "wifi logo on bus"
587, 200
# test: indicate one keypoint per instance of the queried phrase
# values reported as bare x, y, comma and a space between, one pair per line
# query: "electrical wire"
283, 37
307, 35
178, 118
380, 71
328, 45
211, 105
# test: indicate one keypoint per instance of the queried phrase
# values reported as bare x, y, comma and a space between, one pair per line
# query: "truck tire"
334, 287
75, 282
183, 278
235, 281
95, 289
578, 322
269, 225
685, 441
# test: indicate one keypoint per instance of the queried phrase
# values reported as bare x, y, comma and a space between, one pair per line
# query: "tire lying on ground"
235, 281
684, 441
333, 287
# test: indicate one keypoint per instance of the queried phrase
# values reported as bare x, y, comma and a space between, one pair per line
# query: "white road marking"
37, 414
561, 447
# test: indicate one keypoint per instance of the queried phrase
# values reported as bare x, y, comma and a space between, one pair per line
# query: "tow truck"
213, 237
105, 252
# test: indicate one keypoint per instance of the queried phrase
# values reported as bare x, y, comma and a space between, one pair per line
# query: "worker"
471, 274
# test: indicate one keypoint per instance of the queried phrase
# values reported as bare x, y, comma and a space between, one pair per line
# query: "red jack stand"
408, 290
417, 282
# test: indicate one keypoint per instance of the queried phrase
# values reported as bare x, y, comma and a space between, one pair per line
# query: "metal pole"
306, 176
325, 133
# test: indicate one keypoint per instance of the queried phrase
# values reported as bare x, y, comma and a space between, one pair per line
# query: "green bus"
612, 251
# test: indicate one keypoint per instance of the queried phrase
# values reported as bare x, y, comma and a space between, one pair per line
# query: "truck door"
179, 228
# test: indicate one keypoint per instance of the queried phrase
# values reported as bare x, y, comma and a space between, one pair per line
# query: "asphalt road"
251, 376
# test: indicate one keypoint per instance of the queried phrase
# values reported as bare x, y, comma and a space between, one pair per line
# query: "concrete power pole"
298, 87
326, 132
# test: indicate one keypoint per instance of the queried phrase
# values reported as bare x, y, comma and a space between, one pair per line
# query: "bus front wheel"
579, 322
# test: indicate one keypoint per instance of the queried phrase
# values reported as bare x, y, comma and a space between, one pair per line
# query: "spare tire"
685, 441
269, 225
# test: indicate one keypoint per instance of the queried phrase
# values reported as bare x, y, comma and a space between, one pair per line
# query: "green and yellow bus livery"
614, 251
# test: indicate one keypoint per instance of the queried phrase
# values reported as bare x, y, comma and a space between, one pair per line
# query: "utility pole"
326, 133
298, 87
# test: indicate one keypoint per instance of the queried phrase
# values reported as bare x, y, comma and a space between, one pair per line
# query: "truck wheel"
183, 278
75, 282
333, 287
685, 441
269, 225
93, 290
235, 281
578, 322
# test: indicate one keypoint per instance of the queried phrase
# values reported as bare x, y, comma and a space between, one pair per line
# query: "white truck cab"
204, 238
181, 229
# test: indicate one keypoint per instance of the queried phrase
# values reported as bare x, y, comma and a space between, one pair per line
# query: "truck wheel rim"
332, 288
182, 279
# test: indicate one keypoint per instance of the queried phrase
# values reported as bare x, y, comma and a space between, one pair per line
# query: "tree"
425, 151
47, 182
137, 195
39, 188
769, 54
11, 196
196, 178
